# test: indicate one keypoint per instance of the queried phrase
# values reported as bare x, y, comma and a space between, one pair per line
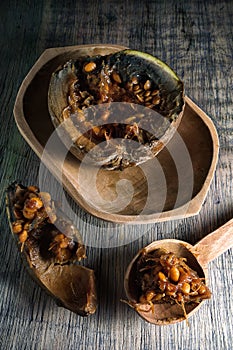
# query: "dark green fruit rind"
135, 63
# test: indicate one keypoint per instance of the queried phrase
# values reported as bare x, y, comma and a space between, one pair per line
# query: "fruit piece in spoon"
51, 246
163, 277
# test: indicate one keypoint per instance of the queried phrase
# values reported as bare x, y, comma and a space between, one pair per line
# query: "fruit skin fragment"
73, 286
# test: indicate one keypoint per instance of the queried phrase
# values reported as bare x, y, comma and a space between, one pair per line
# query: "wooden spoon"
198, 257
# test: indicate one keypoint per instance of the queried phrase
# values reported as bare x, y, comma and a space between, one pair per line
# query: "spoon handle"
214, 244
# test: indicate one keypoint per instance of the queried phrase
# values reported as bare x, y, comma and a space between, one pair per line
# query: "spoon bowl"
197, 258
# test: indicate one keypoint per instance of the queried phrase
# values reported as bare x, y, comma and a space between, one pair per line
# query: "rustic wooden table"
195, 39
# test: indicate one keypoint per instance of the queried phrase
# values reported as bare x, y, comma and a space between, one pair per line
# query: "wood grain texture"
195, 39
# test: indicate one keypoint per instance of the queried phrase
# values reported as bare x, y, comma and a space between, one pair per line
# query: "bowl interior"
150, 192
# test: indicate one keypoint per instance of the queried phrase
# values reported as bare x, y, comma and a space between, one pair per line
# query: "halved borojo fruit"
50, 247
122, 108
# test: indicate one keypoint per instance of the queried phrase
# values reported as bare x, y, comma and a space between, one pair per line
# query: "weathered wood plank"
195, 38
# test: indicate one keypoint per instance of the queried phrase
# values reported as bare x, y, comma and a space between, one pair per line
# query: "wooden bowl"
171, 186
